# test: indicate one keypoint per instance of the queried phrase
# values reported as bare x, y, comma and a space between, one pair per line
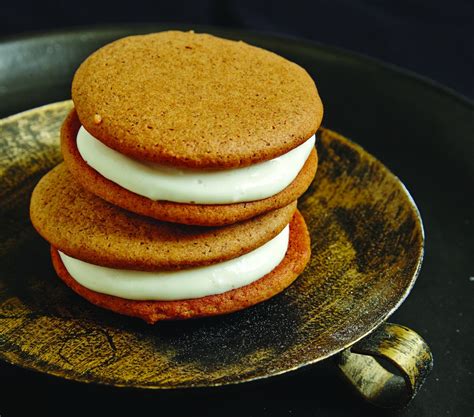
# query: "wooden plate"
367, 243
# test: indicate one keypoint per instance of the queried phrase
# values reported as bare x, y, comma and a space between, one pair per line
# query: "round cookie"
88, 228
296, 258
195, 100
194, 214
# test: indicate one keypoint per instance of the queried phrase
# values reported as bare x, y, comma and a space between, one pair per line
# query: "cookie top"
195, 100
87, 228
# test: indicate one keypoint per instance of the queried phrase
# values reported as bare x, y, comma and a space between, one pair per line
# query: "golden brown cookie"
296, 258
88, 228
195, 214
195, 100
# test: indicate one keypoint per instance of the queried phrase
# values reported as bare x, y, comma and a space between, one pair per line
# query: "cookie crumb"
97, 119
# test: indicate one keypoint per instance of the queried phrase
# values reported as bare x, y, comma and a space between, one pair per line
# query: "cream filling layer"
183, 284
182, 185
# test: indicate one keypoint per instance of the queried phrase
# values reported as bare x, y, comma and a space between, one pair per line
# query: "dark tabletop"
427, 140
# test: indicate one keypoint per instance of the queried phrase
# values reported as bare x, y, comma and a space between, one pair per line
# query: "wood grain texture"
367, 244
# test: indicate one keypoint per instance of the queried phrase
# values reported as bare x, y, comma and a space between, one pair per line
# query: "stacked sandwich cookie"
184, 157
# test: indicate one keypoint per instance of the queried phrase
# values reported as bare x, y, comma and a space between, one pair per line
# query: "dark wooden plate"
367, 244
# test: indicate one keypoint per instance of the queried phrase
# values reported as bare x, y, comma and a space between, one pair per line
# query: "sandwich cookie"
155, 270
191, 128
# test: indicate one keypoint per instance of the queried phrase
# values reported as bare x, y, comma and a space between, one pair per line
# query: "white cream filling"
183, 284
182, 185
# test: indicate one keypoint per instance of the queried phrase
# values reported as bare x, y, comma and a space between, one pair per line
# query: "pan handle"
407, 359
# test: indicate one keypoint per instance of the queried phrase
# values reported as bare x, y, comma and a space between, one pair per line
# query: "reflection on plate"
367, 243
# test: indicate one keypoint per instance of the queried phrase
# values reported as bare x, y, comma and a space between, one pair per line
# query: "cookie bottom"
294, 262
184, 213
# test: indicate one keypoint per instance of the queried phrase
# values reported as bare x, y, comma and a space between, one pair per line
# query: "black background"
434, 39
